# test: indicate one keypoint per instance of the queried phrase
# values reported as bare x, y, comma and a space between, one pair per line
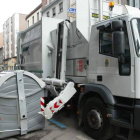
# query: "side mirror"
118, 43
118, 37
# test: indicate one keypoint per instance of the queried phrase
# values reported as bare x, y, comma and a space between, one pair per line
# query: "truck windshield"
136, 32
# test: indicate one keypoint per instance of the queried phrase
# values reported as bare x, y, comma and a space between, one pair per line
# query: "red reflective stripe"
55, 105
60, 101
51, 109
42, 104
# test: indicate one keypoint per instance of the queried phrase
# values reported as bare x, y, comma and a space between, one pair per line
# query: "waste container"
20, 94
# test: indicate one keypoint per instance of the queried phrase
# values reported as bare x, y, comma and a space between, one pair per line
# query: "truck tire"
96, 121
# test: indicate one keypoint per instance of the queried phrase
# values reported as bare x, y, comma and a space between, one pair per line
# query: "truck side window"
106, 43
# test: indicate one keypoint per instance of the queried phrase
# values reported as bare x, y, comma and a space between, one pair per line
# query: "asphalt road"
53, 132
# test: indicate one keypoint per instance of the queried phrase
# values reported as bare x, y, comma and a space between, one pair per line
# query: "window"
106, 43
61, 7
28, 23
53, 12
33, 19
38, 16
48, 14
136, 34
106, 48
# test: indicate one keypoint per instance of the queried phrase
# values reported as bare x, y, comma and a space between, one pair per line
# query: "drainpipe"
100, 10
137, 3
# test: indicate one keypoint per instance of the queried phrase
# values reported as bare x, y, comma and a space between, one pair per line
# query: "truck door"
108, 67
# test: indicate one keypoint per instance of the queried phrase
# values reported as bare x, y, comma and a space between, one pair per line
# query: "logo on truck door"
106, 62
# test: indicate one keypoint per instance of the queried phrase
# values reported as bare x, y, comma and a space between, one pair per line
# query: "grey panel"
6, 102
32, 114
9, 88
8, 118
35, 97
77, 45
9, 126
37, 126
36, 69
34, 121
69, 67
8, 134
8, 110
33, 106
31, 34
32, 52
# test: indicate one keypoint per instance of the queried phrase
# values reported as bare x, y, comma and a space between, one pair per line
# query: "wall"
1, 56
8, 42
13, 35
15, 32
11, 29
30, 19
22, 23
1, 40
44, 2
124, 2
51, 5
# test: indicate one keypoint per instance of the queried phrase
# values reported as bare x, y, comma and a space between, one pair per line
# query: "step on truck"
99, 53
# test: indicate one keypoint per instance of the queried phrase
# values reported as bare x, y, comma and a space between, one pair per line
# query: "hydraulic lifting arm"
67, 89
59, 102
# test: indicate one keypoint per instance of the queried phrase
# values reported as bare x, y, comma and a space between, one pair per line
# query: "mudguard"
103, 91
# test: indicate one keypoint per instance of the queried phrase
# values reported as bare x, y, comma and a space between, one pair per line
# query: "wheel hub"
94, 119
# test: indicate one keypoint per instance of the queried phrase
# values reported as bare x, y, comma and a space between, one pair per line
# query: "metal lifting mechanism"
67, 89
59, 102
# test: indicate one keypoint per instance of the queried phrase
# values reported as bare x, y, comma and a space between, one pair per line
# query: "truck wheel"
96, 121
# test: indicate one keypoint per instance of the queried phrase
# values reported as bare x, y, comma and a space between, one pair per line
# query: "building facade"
1, 49
44, 2
55, 9
58, 9
11, 28
34, 16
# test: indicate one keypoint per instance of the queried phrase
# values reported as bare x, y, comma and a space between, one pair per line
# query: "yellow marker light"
111, 4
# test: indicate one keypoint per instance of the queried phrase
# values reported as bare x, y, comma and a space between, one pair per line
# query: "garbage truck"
100, 54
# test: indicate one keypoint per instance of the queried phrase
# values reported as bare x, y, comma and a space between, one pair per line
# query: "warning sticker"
97, 16
79, 66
